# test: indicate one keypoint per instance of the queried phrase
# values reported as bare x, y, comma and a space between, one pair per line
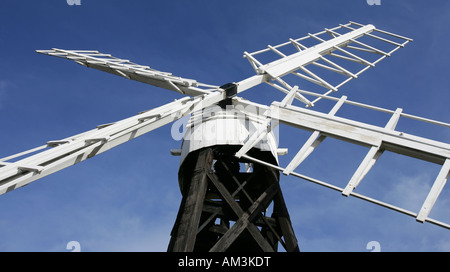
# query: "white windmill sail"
130, 70
377, 139
332, 58
55, 155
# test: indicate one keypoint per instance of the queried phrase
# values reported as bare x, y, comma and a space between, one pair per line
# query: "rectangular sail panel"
133, 71
376, 138
329, 59
56, 155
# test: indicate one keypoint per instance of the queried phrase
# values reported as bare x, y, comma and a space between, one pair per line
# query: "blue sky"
127, 198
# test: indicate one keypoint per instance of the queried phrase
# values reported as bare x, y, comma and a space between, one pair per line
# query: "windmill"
229, 169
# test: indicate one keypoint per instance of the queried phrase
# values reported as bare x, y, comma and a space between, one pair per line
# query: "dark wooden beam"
282, 215
185, 230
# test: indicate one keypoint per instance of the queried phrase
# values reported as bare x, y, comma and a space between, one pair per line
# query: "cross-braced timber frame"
224, 210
